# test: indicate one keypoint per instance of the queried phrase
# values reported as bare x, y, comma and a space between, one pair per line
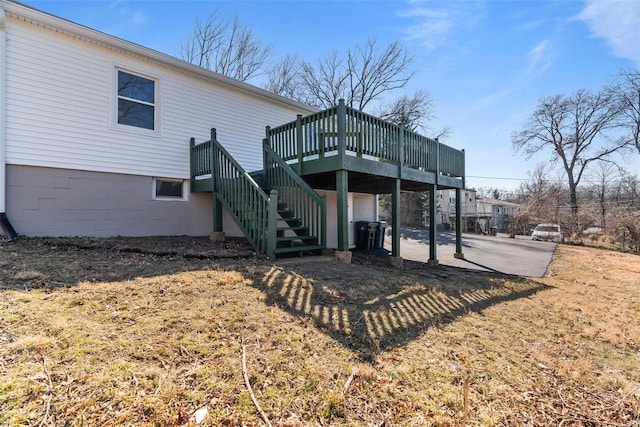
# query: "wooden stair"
292, 238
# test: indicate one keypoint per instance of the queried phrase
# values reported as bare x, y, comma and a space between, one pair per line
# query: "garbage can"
362, 234
494, 231
380, 232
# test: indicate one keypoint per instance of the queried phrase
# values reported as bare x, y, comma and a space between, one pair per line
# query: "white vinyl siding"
60, 110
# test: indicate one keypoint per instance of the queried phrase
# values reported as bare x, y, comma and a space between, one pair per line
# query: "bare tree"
226, 47
575, 129
628, 89
603, 177
373, 72
535, 193
362, 76
413, 113
283, 78
324, 83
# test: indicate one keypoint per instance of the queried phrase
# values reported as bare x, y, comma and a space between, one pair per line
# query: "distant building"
479, 215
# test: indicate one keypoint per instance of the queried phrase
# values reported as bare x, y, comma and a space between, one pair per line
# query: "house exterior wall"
362, 207
61, 108
73, 171
66, 202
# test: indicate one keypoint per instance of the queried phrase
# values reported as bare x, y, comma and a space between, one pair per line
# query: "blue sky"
485, 63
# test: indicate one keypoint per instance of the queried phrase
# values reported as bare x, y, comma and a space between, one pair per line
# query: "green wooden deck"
373, 151
338, 149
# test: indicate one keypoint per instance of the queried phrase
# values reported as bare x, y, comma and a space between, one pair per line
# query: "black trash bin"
380, 232
362, 234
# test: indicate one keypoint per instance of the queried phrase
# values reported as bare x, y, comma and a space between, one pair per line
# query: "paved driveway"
520, 256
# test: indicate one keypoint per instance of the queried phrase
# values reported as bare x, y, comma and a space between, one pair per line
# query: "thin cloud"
433, 24
540, 58
127, 13
618, 22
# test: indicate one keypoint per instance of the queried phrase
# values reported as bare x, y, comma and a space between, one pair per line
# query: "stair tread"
293, 238
299, 249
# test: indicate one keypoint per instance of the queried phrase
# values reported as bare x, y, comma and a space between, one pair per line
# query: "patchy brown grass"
149, 331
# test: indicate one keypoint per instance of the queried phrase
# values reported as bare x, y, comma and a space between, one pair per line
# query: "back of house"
96, 131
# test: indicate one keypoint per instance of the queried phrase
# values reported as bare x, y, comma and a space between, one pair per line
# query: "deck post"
265, 141
300, 143
400, 151
433, 212
342, 131
433, 224
459, 194
192, 161
458, 254
218, 233
272, 224
395, 219
342, 189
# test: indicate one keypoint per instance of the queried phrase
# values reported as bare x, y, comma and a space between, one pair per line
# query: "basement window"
169, 189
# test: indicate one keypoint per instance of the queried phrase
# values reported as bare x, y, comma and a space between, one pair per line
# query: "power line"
504, 178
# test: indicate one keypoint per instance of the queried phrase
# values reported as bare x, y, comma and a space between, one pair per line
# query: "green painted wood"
302, 207
433, 223
342, 190
458, 221
217, 214
342, 129
395, 219
272, 224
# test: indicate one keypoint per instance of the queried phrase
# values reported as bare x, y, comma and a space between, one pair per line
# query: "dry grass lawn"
144, 332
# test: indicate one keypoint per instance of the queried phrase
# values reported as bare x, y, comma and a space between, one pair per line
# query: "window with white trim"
136, 100
169, 189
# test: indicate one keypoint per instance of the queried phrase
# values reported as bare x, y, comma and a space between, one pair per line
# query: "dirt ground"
185, 331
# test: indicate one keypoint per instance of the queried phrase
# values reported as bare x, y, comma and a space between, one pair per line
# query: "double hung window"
136, 101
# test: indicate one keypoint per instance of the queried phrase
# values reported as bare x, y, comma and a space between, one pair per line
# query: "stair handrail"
313, 211
237, 191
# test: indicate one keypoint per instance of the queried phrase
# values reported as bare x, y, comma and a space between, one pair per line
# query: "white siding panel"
59, 110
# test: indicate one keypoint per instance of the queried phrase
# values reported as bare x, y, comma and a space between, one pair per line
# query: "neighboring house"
479, 215
447, 214
495, 214
103, 137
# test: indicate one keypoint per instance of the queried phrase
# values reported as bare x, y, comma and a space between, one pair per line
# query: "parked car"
551, 232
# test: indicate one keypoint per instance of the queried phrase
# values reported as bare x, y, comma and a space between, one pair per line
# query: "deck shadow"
371, 309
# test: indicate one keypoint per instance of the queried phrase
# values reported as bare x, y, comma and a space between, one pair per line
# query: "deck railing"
307, 206
252, 209
342, 129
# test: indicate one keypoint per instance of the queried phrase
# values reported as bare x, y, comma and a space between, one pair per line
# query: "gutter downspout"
4, 221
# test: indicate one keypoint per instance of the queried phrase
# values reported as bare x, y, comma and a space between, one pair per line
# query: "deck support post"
218, 232
458, 254
433, 223
395, 218
396, 259
266, 142
342, 189
299, 143
341, 119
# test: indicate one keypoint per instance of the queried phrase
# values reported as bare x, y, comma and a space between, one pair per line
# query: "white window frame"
185, 190
156, 105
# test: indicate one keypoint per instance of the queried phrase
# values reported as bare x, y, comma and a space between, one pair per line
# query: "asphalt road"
520, 256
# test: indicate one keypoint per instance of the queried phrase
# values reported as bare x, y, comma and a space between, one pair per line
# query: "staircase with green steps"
278, 212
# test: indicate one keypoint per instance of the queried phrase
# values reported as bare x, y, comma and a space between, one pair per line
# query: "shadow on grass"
370, 309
